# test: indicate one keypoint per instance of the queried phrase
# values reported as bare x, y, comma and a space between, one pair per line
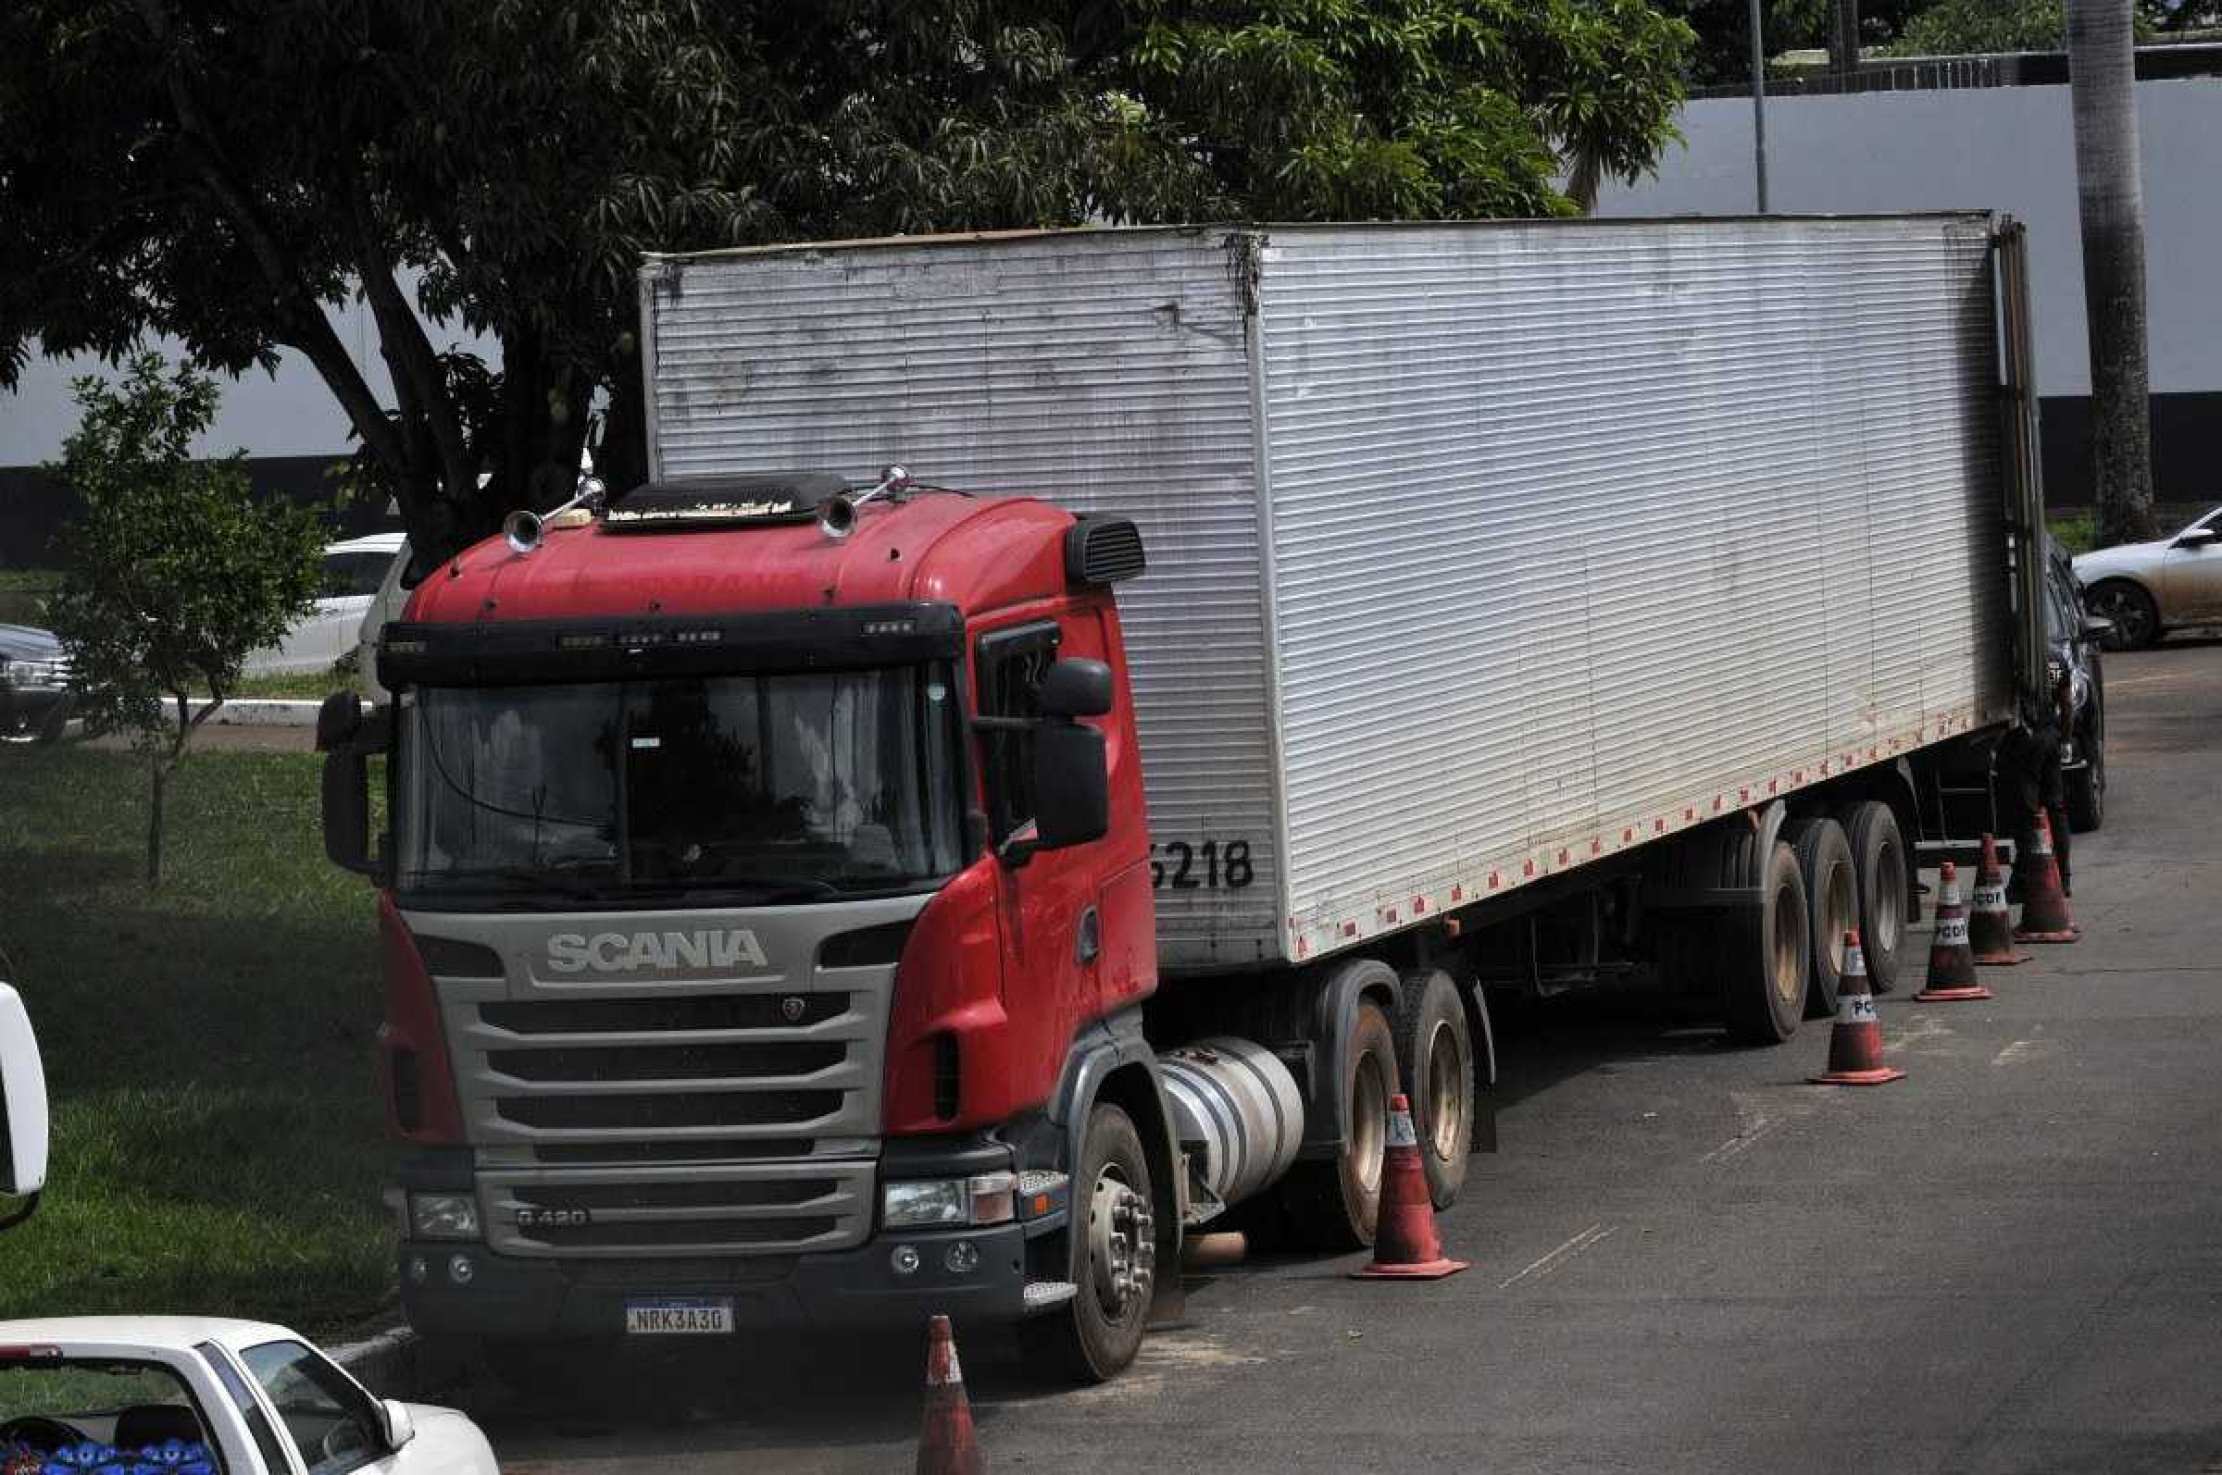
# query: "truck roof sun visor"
723, 501
516, 652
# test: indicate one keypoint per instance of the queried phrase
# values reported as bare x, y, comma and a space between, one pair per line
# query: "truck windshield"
758, 788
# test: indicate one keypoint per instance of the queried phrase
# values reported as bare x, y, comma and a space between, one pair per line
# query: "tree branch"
408, 351
312, 333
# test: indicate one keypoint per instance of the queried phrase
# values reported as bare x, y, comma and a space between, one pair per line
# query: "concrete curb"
396, 1363
265, 712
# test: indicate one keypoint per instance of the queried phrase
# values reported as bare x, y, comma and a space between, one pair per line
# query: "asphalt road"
1686, 1257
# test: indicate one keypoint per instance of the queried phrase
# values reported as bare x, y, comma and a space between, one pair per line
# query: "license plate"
680, 1316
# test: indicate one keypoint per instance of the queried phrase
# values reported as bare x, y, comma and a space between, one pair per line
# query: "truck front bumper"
508, 1297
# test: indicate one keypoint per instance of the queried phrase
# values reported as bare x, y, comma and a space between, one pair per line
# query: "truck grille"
671, 1112
769, 1208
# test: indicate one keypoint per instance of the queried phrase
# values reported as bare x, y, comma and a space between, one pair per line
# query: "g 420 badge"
530, 1218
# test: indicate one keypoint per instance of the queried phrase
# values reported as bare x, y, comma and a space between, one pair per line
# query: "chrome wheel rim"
1369, 1120
1885, 905
1839, 915
1122, 1244
1789, 939
1446, 1091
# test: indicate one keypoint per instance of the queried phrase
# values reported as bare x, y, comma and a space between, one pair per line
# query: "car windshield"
98, 1417
781, 787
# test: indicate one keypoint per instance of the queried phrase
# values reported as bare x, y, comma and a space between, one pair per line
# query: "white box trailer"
1478, 553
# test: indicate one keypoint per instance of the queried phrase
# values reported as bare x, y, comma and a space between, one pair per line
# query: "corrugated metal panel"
1106, 371
1581, 535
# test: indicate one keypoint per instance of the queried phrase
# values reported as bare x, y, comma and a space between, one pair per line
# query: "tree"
2110, 197
223, 172
173, 572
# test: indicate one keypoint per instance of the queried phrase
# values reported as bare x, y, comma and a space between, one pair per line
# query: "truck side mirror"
23, 1122
1076, 687
347, 740
1072, 784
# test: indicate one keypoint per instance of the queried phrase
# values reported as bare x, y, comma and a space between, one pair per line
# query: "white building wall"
2000, 148
289, 413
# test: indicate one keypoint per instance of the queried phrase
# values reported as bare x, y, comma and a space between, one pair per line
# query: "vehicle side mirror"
399, 1427
23, 1120
2197, 537
2096, 630
1076, 687
1072, 784
347, 739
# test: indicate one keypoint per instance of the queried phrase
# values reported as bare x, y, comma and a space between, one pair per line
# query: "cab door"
1048, 910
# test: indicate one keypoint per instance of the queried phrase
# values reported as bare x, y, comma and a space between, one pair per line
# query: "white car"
2147, 589
194, 1395
353, 571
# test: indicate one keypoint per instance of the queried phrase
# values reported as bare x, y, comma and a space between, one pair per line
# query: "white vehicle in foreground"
353, 572
107, 1395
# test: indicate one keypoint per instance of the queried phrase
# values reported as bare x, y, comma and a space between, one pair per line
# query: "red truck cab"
766, 915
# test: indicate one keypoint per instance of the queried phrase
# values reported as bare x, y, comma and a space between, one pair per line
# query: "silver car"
2147, 589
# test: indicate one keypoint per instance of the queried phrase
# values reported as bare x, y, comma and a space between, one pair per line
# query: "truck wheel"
1832, 898
1096, 1334
1879, 861
2087, 790
1332, 1205
1435, 1058
1768, 955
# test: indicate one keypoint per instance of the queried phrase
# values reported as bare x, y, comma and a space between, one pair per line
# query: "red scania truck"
818, 895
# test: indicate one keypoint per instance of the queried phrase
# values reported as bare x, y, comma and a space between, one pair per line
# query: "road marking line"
2022, 1052
1595, 1234
1743, 1139
1919, 1031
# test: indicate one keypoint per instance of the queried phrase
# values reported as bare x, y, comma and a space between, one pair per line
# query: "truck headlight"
443, 1216
986, 1199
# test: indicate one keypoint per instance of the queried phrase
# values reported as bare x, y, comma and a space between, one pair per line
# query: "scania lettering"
826, 897
618, 952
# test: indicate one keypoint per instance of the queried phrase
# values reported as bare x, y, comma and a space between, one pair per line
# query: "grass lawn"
304, 685
218, 1144
2076, 532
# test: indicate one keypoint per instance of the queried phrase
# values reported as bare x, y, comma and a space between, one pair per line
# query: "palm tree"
2102, 73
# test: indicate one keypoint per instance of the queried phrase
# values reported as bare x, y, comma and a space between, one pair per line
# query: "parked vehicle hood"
2121, 559
29, 643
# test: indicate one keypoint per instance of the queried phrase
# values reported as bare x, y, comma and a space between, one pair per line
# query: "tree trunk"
2102, 74
157, 772
1844, 37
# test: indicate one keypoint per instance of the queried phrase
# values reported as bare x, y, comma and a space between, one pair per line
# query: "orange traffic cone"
946, 1445
1405, 1245
1990, 926
2044, 906
1951, 960
1856, 1044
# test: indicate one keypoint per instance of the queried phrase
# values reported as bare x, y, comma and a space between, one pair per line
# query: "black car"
2073, 638
35, 698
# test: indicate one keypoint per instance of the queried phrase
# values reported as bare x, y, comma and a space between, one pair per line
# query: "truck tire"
1879, 860
2087, 790
1093, 1337
1767, 954
1333, 1203
1832, 899
1435, 1058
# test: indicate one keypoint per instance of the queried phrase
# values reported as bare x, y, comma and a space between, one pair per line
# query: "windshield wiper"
560, 877
764, 890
